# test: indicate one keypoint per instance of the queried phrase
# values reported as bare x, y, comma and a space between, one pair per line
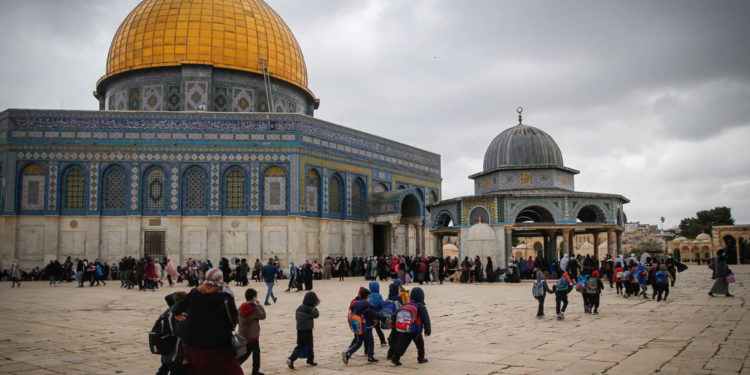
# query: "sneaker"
372, 360
730, 295
383, 345
267, 304
312, 363
396, 362
274, 299
711, 294
345, 358
595, 312
559, 316
290, 363
423, 360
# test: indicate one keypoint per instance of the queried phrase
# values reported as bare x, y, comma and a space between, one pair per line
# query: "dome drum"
200, 88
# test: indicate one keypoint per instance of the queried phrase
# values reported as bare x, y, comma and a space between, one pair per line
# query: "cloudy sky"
647, 99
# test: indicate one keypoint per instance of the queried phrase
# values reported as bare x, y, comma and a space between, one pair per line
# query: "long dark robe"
721, 286
490, 271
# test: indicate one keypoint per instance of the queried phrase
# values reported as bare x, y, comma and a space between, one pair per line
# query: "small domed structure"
522, 146
680, 239
703, 237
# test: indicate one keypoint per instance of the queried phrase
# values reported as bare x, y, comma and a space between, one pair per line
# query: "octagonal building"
205, 146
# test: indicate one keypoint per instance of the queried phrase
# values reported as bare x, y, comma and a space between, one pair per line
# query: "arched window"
154, 191
432, 197
274, 189
335, 195
358, 198
312, 191
194, 190
115, 189
234, 189
73, 188
32, 188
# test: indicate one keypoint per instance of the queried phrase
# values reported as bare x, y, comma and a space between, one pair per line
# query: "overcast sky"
647, 99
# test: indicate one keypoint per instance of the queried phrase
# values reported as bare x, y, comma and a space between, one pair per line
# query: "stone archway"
535, 214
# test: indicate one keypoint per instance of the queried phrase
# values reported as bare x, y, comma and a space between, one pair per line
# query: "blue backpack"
563, 284
581, 284
661, 277
538, 289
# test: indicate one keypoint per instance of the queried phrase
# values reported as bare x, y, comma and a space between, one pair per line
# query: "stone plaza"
477, 329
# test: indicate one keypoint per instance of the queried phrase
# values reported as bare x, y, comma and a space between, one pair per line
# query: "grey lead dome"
522, 146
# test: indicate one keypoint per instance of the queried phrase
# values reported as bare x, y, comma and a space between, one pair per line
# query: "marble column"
508, 243
610, 241
566, 241
553, 254
618, 234
596, 244
737, 239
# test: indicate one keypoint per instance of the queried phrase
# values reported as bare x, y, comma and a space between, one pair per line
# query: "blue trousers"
366, 338
269, 293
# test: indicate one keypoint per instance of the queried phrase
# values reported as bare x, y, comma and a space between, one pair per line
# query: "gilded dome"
244, 35
522, 146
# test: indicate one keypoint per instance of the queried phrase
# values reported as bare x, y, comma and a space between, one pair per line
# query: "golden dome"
233, 34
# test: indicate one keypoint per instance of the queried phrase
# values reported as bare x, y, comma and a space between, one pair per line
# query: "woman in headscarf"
210, 320
15, 274
490, 271
465, 270
293, 273
171, 272
720, 272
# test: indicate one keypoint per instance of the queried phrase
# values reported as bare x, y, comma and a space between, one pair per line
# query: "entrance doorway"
154, 245
381, 236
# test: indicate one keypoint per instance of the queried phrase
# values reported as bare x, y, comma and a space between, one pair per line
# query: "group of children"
632, 280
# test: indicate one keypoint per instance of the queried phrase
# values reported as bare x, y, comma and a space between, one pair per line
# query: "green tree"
705, 220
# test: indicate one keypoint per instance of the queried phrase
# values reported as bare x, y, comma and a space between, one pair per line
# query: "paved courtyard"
477, 329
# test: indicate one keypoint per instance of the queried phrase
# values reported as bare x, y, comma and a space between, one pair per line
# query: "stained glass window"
334, 196
194, 190
73, 186
312, 186
115, 189
234, 189
358, 196
155, 190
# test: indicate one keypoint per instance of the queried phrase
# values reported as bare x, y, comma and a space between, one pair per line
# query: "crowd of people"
205, 318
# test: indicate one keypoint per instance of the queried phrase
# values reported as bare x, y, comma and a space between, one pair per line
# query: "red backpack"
407, 319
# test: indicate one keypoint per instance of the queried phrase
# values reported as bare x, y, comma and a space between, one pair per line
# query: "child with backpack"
411, 320
581, 288
563, 286
662, 278
378, 305
361, 320
305, 316
619, 277
539, 291
642, 277
250, 314
168, 343
594, 287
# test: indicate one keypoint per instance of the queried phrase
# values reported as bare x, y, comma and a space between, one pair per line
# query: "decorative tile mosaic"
134, 99
214, 187
174, 184
135, 173
294, 183
261, 105
173, 98
93, 186
254, 185
52, 192
242, 100
196, 95
221, 99
153, 98
121, 100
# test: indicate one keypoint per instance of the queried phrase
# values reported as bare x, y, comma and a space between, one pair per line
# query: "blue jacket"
368, 313
375, 298
393, 289
417, 296
269, 273
641, 275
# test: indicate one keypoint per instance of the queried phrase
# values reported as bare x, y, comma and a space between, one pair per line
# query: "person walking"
305, 316
211, 315
539, 291
15, 274
292, 276
269, 276
563, 286
366, 315
720, 272
407, 332
250, 314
